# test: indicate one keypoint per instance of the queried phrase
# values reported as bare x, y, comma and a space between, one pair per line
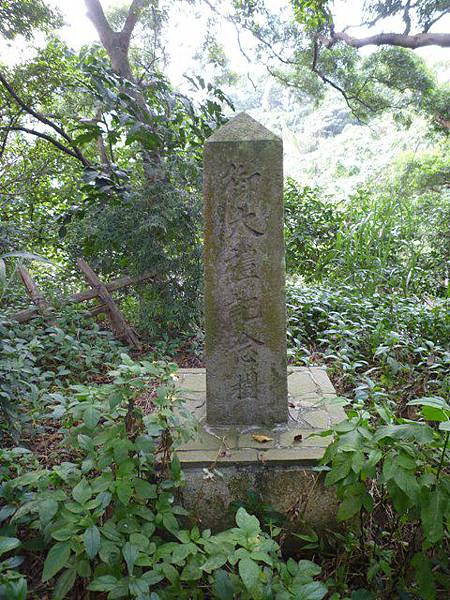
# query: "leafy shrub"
380, 239
393, 479
13, 463
37, 359
387, 241
311, 225
110, 519
374, 345
389, 464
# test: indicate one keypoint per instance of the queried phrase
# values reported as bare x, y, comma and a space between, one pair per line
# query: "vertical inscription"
245, 320
243, 226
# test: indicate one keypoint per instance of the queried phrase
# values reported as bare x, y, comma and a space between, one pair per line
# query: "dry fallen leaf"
261, 439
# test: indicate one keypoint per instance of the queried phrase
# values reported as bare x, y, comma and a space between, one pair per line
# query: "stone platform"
223, 464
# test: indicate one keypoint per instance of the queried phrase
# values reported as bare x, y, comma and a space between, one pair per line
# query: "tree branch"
418, 40
133, 17
97, 16
43, 119
432, 22
50, 139
14, 120
325, 79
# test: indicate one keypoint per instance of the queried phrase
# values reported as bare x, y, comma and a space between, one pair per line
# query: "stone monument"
258, 419
245, 305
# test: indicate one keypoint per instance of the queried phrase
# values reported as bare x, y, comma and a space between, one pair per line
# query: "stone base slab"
296, 492
313, 408
223, 465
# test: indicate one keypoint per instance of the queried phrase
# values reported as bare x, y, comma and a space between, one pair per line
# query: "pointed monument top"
242, 128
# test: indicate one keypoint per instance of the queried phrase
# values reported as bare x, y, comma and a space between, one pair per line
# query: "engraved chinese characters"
245, 350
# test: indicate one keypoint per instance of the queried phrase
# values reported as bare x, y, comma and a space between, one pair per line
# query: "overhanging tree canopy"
306, 49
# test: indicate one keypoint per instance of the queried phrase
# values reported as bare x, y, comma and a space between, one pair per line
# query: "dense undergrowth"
108, 518
389, 356
88, 467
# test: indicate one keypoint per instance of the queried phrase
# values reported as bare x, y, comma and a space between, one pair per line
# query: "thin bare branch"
46, 121
50, 139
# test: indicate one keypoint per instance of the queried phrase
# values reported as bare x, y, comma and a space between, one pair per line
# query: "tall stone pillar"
245, 308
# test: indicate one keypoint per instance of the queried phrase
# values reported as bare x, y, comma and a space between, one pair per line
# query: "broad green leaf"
432, 508
7, 544
109, 553
249, 573
47, 510
63, 534
152, 577
145, 489
249, 523
170, 572
110, 531
182, 551
64, 584
419, 432
433, 401
138, 588
83, 568
214, 562
435, 414
56, 560
130, 554
424, 576
91, 538
191, 572
307, 568
124, 491
104, 583
223, 588
407, 482
6, 512
170, 522
339, 471
310, 591
139, 540
91, 417
349, 507
121, 448
82, 492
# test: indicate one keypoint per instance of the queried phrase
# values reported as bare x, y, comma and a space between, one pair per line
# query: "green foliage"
378, 344
38, 361
136, 207
310, 55
148, 219
109, 519
315, 14
390, 237
389, 461
311, 226
23, 17
397, 468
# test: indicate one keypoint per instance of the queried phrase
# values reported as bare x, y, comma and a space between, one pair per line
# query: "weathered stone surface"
222, 464
245, 314
296, 492
291, 443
